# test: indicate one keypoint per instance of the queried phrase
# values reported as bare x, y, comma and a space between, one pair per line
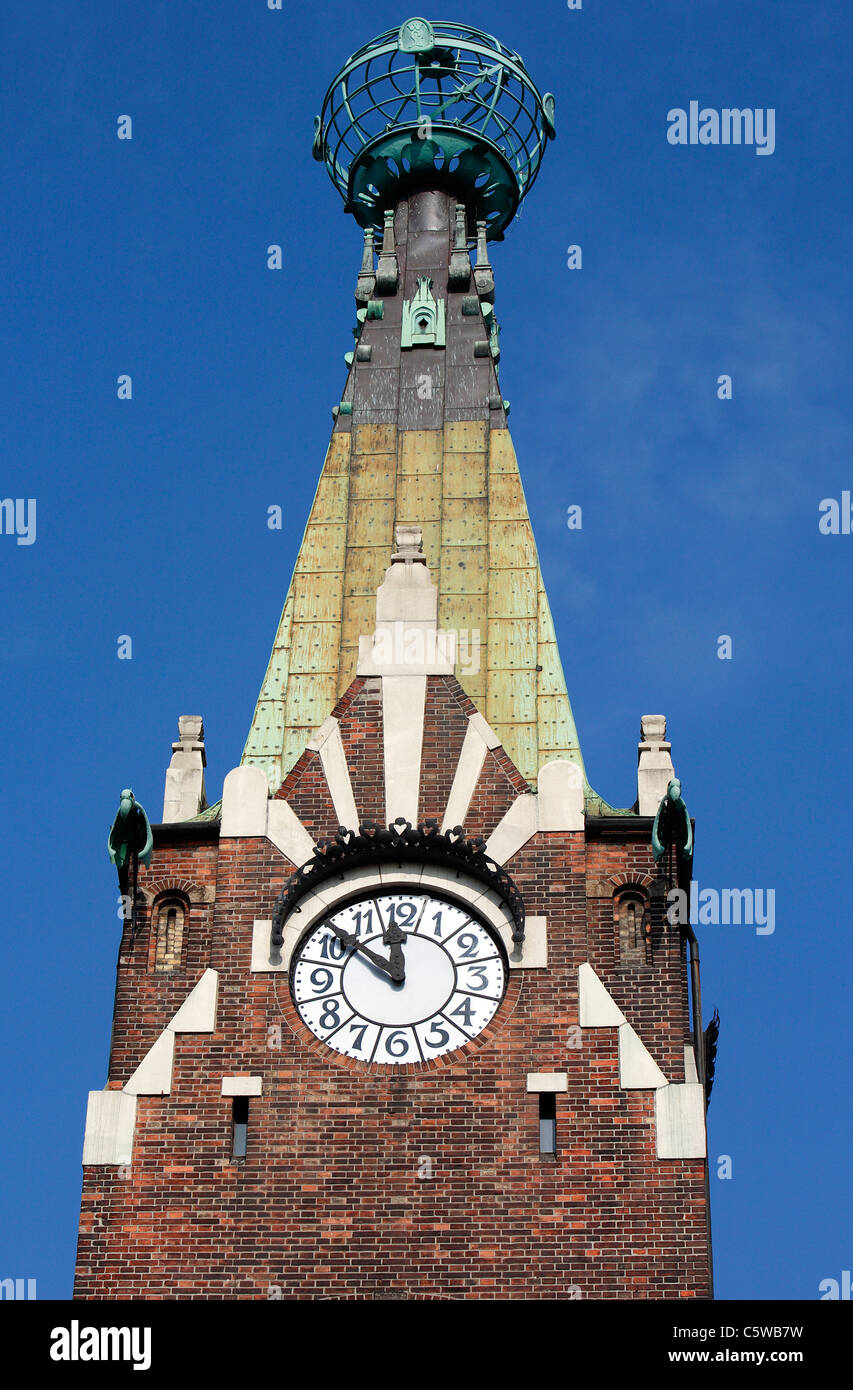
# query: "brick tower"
403, 1015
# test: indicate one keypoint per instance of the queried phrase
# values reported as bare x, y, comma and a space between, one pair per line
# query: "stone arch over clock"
405, 967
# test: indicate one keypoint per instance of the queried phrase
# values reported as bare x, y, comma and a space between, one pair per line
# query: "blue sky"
700, 516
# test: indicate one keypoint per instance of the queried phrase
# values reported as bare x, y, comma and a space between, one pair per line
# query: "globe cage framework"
436, 104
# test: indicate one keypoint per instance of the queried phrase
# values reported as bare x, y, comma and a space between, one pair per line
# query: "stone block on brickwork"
286, 831
680, 1121
638, 1071
539, 1081
261, 963
245, 793
560, 796
598, 1009
403, 704
242, 1085
197, 1014
153, 1076
110, 1121
514, 829
533, 954
467, 774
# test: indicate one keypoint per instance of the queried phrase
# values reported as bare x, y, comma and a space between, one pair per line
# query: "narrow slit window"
239, 1126
547, 1122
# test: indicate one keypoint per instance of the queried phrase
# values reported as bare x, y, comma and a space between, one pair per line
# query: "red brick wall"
329, 1201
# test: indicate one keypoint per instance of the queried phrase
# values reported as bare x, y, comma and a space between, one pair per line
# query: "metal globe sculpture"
434, 105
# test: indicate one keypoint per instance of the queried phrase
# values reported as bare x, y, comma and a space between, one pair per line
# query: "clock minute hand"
349, 940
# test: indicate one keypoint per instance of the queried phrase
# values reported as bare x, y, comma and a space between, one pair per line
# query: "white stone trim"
153, 1076
285, 830
334, 761
679, 1109
547, 1081
558, 805
403, 706
245, 793
197, 1014
559, 798
534, 951
516, 827
486, 732
466, 777
110, 1122
598, 1008
261, 963
241, 1085
638, 1071
680, 1121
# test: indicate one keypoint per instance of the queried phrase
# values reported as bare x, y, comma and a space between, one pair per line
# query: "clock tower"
403, 1014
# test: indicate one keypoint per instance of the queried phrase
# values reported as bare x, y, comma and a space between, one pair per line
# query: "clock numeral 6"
397, 1044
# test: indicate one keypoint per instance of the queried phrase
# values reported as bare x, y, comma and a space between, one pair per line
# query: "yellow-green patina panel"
461, 485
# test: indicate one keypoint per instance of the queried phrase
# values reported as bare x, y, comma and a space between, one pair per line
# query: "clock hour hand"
394, 938
390, 968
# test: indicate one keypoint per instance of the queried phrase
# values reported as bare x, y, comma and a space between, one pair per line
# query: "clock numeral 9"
321, 979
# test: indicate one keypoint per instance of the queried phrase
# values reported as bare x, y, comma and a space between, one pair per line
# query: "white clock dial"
398, 977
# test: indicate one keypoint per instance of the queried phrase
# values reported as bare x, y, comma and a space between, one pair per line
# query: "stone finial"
366, 281
459, 275
484, 279
185, 795
387, 270
655, 770
410, 545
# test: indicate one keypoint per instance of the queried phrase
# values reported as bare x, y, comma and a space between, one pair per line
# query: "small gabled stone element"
484, 276
655, 770
366, 281
459, 275
388, 270
423, 318
185, 795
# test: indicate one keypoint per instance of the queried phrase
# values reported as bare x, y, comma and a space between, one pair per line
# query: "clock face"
398, 977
